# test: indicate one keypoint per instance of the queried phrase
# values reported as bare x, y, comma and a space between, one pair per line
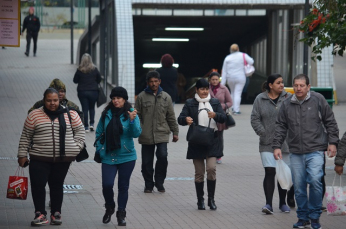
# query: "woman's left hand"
132, 114
211, 114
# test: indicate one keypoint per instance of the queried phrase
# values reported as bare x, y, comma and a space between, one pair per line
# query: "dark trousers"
108, 176
160, 166
34, 36
53, 173
88, 100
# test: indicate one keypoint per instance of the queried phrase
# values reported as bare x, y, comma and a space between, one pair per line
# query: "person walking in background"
32, 25
220, 92
263, 117
169, 77
58, 85
233, 74
115, 131
339, 160
52, 142
204, 158
156, 113
87, 77
307, 123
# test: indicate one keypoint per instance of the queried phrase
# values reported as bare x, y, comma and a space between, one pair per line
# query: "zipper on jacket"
127, 148
53, 141
300, 127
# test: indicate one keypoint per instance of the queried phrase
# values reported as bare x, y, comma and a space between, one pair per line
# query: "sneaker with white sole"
315, 224
285, 208
39, 219
91, 128
267, 209
302, 224
218, 160
55, 219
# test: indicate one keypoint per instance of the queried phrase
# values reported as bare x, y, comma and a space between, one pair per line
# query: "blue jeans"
308, 169
88, 100
108, 176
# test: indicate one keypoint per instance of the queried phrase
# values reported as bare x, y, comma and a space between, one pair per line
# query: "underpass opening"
205, 50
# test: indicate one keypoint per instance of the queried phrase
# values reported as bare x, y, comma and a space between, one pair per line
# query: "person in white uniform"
233, 74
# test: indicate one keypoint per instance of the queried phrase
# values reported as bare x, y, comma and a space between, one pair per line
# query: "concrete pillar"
124, 69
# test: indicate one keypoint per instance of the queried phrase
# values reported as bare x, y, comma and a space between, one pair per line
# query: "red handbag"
17, 185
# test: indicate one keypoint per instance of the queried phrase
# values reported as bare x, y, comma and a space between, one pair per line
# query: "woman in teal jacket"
115, 131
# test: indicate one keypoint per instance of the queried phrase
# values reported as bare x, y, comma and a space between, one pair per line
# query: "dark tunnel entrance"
205, 49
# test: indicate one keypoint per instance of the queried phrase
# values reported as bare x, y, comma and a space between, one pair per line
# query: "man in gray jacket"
309, 124
155, 111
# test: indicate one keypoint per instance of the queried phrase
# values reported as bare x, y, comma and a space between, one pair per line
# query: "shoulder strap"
245, 63
69, 117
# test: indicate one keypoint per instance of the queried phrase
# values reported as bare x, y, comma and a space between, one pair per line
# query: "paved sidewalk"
239, 192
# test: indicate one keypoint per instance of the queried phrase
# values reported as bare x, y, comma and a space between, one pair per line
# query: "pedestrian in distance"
117, 127
233, 74
309, 124
52, 138
263, 117
340, 156
169, 77
155, 110
220, 92
32, 26
87, 77
204, 158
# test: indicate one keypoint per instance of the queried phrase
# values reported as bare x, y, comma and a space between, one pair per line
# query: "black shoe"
121, 218
200, 194
148, 190
324, 209
200, 203
26, 54
291, 203
160, 187
34, 54
211, 192
108, 215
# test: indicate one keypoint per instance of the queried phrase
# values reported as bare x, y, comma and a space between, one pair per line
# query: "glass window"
157, 12
257, 12
183, 12
240, 12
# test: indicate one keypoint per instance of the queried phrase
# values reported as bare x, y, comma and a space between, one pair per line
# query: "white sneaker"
87, 130
91, 128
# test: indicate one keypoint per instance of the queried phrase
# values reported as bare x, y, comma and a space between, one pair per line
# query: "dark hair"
153, 74
302, 77
49, 90
202, 83
214, 74
167, 61
271, 79
127, 107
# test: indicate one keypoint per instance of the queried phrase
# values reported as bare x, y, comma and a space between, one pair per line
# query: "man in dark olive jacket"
32, 25
155, 111
309, 124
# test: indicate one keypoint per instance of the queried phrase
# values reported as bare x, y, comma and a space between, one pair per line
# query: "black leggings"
269, 186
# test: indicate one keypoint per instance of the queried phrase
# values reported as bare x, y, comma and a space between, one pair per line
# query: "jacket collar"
295, 100
148, 90
266, 96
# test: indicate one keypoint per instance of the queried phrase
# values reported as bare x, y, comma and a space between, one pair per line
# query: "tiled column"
125, 47
324, 68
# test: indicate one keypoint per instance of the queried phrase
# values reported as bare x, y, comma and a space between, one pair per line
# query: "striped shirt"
40, 137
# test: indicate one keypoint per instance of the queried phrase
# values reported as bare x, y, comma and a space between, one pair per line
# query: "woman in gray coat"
263, 117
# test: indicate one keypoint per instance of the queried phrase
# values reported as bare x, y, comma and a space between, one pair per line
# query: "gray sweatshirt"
263, 118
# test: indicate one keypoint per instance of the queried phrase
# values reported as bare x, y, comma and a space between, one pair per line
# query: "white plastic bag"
283, 173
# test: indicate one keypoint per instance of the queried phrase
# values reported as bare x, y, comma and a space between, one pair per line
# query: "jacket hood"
148, 90
58, 85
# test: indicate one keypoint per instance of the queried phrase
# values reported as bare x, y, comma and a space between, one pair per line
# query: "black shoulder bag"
200, 135
83, 154
229, 119
97, 157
